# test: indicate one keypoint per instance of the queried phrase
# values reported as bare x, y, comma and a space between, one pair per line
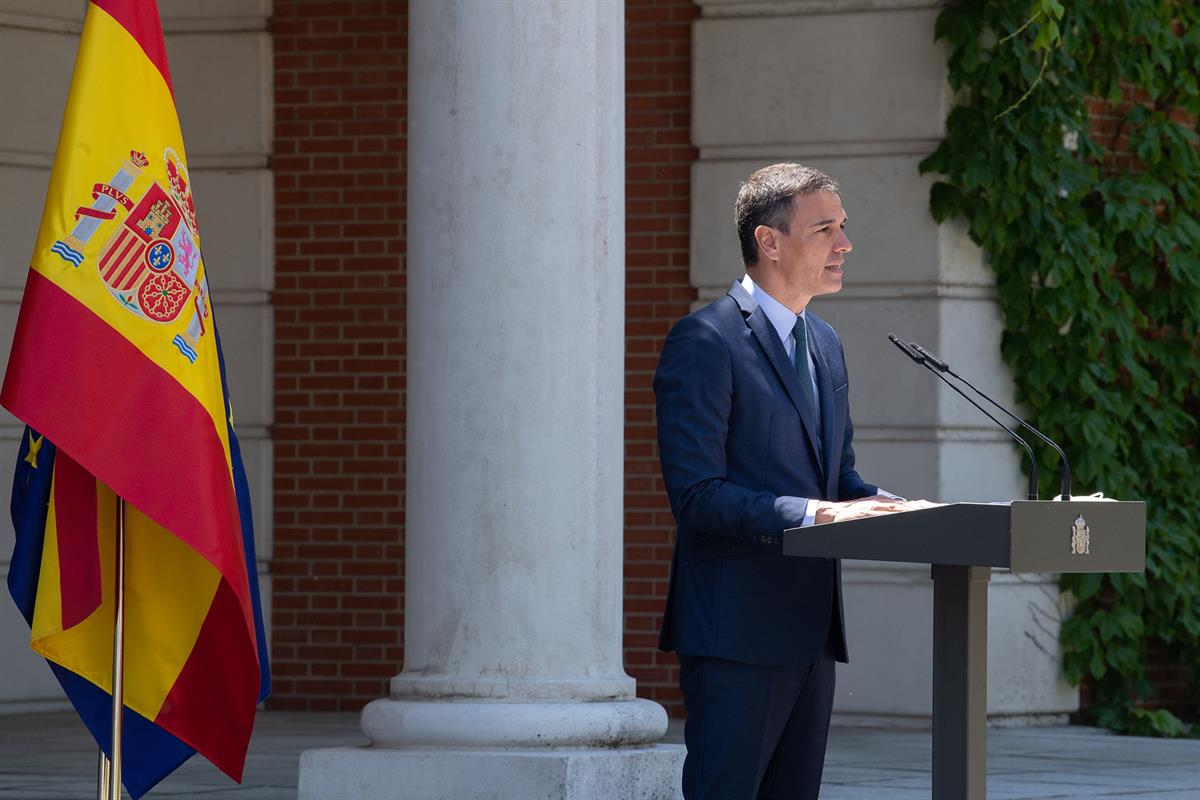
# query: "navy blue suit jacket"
739, 450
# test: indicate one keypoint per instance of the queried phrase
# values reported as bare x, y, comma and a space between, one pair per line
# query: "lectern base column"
960, 682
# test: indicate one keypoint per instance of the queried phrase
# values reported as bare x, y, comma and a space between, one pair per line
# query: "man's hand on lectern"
876, 506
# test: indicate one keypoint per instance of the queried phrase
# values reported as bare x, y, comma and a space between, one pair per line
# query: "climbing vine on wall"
1092, 227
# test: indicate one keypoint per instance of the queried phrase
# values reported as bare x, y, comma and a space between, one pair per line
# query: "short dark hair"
766, 199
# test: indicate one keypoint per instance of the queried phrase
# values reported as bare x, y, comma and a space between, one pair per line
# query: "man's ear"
768, 242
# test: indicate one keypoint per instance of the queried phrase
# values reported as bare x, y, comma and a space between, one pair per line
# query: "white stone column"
513, 684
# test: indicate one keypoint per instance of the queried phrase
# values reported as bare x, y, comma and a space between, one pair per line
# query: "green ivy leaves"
1092, 226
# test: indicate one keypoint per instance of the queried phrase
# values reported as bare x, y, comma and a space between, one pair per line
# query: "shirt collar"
781, 317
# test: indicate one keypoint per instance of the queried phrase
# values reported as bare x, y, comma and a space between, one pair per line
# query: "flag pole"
109, 784
102, 778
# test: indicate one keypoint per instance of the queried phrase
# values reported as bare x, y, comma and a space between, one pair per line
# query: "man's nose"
843, 246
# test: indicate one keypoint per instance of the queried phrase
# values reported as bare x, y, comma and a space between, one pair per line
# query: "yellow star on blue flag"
35, 447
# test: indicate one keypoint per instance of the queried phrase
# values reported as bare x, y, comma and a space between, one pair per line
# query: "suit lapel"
825, 387
769, 341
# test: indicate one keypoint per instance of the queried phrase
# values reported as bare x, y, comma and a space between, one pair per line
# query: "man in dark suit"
754, 437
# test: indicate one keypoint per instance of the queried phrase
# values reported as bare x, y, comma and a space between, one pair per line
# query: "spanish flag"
116, 368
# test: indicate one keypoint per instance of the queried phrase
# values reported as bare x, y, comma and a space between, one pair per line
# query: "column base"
474, 723
652, 772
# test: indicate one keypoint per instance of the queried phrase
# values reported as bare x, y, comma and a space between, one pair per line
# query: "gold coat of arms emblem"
1081, 537
151, 261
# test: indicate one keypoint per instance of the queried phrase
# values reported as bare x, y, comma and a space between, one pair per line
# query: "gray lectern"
963, 542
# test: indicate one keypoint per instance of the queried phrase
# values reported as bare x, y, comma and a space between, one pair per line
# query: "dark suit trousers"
754, 732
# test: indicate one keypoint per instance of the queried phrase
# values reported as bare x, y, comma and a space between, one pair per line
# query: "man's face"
812, 252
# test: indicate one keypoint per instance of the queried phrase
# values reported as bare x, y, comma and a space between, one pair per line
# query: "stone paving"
1071, 763
50, 757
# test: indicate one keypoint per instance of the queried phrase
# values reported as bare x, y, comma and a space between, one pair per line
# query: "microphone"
912, 352
942, 366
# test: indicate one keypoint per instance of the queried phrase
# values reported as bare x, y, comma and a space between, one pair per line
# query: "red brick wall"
340, 89
1174, 689
339, 169
658, 155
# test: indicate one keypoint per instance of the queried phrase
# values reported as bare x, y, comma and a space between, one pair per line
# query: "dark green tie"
802, 372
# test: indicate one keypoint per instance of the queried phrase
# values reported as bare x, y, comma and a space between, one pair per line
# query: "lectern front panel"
1078, 536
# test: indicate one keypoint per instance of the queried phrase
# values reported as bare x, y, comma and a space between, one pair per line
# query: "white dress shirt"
783, 321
